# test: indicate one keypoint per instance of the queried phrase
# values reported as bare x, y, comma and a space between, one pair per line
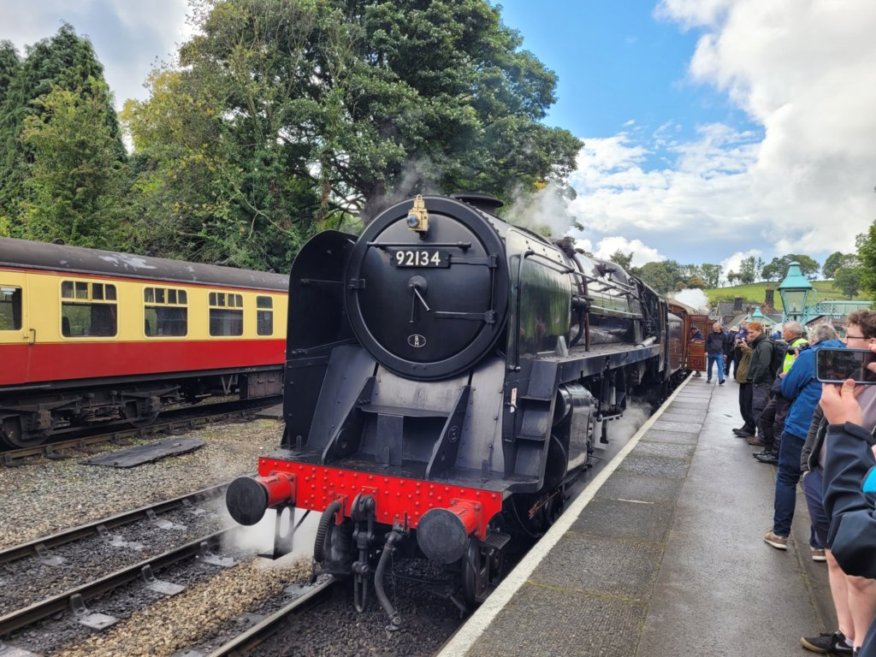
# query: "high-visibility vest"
791, 354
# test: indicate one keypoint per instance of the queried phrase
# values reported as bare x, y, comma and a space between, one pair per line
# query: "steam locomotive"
447, 374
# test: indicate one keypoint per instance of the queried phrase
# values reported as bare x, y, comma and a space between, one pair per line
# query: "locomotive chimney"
483, 202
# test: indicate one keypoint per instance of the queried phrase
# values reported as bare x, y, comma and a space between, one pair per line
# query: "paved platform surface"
662, 555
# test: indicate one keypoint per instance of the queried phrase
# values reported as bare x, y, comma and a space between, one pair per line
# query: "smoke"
259, 538
417, 177
635, 415
694, 298
546, 211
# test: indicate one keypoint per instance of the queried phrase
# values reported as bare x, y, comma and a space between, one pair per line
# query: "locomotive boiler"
447, 373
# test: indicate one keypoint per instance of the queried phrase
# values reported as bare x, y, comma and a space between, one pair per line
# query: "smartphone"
837, 365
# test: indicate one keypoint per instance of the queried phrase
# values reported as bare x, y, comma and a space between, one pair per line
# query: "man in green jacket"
756, 389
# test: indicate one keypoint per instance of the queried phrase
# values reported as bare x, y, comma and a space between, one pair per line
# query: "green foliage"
61, 79
778, 267
625, 260
663, 276
711, 274
286, 115
836, 260
756, 293
849, 280
866, 244
76, 181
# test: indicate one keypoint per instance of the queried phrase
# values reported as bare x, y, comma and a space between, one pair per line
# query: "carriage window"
165, 312
226, 313
10, 308
88, 309
265, 316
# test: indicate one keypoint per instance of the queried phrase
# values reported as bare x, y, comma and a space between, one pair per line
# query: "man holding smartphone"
850, 487
854, 597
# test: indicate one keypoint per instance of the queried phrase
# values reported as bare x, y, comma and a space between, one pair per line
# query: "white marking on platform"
464, 639
621, 499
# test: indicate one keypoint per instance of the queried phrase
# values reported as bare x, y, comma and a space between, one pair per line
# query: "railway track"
172, 421
74, 599
246, 642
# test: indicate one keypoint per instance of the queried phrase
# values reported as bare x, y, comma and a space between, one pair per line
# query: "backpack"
777, 362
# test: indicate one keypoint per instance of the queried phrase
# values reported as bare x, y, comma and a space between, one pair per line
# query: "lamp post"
795, 290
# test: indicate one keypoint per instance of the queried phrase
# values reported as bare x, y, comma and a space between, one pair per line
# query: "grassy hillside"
755, 293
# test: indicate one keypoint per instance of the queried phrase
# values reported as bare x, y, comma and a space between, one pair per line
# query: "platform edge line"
465, 638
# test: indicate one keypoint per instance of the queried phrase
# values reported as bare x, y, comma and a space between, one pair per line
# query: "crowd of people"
824, 436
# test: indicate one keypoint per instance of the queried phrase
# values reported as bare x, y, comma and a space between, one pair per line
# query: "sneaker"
770, 458
742, 432
708, 380
834, 643
778, 542
754, 441
721, 382
817, 554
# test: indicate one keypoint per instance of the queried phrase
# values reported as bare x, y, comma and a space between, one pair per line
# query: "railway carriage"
89, 336
447, 375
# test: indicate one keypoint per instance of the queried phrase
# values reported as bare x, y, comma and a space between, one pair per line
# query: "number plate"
419, 258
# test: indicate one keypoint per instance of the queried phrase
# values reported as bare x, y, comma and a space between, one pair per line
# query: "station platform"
662, 555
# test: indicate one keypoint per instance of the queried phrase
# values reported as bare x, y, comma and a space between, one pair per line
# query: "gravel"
47, 496
179, 621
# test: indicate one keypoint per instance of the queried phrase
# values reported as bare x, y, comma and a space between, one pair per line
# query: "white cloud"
803, 183
642, 253
128, 37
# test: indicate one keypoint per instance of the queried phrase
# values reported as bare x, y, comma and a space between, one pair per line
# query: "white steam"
694, 298
546, 210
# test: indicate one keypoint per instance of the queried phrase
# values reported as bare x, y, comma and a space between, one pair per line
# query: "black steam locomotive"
446, 375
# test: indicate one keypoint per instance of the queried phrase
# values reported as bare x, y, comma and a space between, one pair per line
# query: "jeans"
786, 483
719, 360
760, 394
814, 502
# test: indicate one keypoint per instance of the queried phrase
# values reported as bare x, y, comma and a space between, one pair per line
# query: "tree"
836, 260
778, 267
848, 280
64, 62
325, 107
625, 260
663, 276
866, 246
748, 270
76, 181
695, 282
711, 274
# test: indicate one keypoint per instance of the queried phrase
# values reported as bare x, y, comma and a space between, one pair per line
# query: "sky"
711, 130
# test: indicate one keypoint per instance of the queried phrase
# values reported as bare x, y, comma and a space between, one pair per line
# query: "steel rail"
60, 603
244, 643
191, 419
33, 547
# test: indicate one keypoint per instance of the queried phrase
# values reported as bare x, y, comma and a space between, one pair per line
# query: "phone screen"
837, 365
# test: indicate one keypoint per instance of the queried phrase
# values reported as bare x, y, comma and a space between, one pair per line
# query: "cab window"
165, 312
10, 308
88, 309
265, 316
226, 313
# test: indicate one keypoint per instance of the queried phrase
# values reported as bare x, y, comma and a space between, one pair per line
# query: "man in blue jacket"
850, 490
801, 387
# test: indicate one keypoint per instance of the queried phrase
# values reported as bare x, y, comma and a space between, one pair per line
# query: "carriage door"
15, 334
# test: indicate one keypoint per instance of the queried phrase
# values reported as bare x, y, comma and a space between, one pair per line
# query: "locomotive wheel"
12, 435
480, 573
135, 418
